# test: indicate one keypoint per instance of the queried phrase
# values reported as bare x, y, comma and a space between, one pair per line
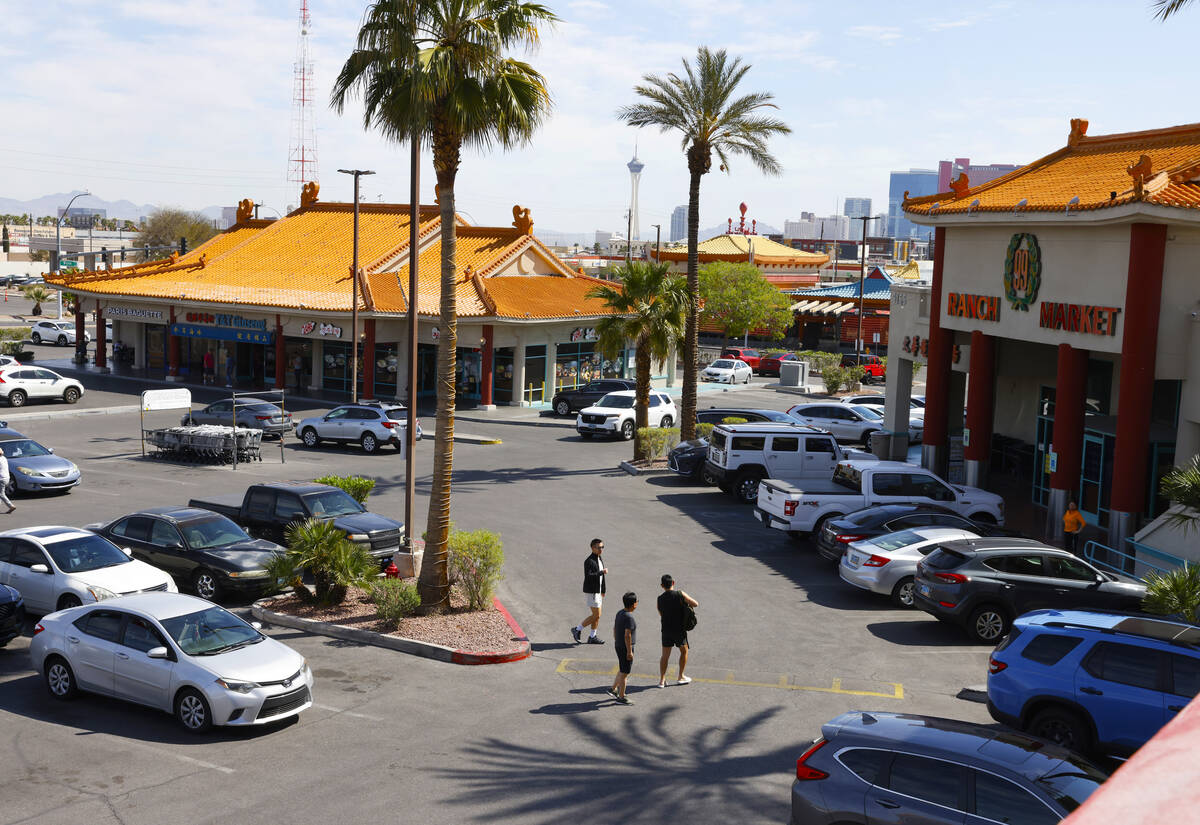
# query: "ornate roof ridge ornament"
245, 210
308, 193
961, 185
1079, 127
521, 220
1141, 172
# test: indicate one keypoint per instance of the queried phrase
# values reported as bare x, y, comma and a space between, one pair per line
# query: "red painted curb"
471, 657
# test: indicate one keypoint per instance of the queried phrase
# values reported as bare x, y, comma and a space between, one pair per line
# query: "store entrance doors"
1041, 448
1095, 476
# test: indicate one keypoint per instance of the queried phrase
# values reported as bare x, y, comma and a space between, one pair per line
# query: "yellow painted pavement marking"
587, 668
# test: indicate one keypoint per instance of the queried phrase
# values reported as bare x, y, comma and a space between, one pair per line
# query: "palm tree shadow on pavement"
636, 772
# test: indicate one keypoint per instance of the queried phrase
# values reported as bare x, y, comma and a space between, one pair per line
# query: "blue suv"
1093, 681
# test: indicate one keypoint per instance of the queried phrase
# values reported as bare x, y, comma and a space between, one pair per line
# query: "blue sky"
188, 102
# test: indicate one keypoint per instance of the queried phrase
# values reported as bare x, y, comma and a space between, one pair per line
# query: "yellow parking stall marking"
587, 668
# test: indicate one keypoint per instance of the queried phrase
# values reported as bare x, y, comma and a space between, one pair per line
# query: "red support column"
368, 362
1139, 343
80, 331
172, 350
487, 367
981, 393
937, 379
1070, 404
280, 356
101, 337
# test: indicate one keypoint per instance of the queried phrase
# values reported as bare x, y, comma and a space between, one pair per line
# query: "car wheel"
627, 431
866, 438
68, 600
17, 398
369, 443
206, 585
1062, 727
192, 711
62, 340
70, 395
983, 518
310, 438
562, 408
708, 478
748, 377
36, 338
60, 679
988, 624
902, 593
586, 436
745, 487
666, 422
10, 489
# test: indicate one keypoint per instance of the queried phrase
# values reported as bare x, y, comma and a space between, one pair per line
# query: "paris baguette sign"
1022, 282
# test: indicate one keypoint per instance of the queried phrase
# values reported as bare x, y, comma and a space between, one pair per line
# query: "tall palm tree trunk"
641, 401
691, 330
434, 584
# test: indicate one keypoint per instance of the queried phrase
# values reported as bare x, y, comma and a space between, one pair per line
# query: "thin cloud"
880, 34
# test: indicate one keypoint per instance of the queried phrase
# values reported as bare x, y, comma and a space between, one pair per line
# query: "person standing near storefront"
298, 370
594, 573
230, 367
210, 367
1072, 526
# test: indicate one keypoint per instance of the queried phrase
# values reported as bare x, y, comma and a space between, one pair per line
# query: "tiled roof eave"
1106, 212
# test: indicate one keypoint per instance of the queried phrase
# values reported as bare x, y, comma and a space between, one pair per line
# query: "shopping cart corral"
210, 443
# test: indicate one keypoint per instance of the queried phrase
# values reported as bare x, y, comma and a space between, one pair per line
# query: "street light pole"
57, 245
629, 238
862, 276
357, 173
657, 242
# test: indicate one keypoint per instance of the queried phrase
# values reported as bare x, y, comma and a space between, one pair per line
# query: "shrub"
834, 378
854, 376
1176, 593
15, 333
818, 361
916, 369
704, 430
12, 348
286, 574
475, 559
334, 562
394, 599
658, 441
356, 487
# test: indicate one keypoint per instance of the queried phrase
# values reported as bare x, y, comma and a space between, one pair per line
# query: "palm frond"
1176, 593
1182, 486
1165, 8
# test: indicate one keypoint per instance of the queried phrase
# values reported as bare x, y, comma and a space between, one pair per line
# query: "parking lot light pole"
58, 246
862, 276
357, 173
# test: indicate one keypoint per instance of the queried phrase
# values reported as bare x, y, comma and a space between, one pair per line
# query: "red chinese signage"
975, 307
1092, 320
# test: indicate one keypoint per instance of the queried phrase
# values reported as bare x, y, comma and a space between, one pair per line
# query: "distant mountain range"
121, 209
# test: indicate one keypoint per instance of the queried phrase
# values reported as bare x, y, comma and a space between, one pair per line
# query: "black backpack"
689, 615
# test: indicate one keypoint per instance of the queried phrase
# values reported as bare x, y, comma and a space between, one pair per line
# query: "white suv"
613, 415
60, 332
370, 425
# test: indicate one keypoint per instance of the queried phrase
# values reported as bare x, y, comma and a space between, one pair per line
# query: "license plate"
923, 589
853, 560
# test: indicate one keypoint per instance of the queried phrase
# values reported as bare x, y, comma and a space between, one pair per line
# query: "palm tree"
39, 295
1175, 593
1165, 8
437, 70
648, 305
701, 106
1182, 486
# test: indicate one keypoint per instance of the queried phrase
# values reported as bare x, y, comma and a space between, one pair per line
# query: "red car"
750, 356
873, 364
769, 364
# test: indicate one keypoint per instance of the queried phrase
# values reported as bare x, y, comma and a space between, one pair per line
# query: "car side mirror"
256, 625
175, 546
50, 450
39, 568
159, 652
127, 551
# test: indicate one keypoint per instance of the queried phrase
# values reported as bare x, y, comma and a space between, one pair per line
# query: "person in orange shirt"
1072, 526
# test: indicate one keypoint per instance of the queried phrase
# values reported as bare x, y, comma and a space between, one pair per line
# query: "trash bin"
793, 373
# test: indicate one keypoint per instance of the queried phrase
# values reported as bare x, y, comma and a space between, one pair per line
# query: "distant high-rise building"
228, 216
81, 217
977, 174
916, 182
678, 224
857, 207
810, 227
635, 174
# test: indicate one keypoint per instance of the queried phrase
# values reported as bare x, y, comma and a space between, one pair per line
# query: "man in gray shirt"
4, 483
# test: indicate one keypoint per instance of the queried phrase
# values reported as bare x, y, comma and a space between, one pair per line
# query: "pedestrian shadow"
639, 769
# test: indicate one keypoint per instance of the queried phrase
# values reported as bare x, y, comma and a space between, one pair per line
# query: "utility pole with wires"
862, 276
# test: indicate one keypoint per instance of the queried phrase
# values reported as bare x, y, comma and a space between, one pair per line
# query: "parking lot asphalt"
782, 646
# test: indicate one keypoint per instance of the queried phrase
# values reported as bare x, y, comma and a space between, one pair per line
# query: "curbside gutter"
261, 611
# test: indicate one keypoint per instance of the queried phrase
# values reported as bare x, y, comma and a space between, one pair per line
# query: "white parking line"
332, 709
179, 756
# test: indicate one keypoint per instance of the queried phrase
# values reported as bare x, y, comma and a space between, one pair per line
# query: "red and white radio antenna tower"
302, 153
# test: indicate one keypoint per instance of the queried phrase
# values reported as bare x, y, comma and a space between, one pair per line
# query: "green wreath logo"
1022, 271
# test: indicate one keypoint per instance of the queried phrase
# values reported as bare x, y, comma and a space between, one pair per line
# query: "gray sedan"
175, 653
257, 415
887, 564
33, 468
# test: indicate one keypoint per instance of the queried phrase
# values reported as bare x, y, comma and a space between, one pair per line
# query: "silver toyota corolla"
34, 468
175, 653
887, 564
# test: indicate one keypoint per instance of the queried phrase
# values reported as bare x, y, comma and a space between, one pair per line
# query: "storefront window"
338, 362
467, 372
156, 347
298, 373
535, 372
577, 364
426, 370
386, 368
502, 376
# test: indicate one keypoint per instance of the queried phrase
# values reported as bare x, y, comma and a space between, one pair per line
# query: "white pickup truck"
857, 484
739, 455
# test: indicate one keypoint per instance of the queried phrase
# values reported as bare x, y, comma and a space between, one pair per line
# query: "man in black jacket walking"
594, 574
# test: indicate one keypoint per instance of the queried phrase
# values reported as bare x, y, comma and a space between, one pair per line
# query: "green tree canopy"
165, 227
738, 298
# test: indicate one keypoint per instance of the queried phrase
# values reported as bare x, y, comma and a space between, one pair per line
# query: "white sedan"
60, 332
727, 371
887, 564
60, 567
175, 653
19, 384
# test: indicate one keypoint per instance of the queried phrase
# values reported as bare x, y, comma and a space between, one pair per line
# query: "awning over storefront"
830, 308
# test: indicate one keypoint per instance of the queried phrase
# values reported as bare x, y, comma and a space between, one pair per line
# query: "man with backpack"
677, 610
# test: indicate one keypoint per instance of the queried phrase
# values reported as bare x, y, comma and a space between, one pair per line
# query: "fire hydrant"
391, 571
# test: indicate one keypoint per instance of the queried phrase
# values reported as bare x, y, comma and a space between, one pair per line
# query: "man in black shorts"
670, 608
624, 638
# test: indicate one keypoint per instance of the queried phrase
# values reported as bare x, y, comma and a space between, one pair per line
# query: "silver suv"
367, 424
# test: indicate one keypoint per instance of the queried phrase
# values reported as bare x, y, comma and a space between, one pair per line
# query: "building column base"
1121, 525
890, 446
933, 457
485, 407
975, 473
1055, 507
171, 378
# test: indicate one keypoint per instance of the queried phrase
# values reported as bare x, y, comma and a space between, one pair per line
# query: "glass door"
1041, 448
1092, 500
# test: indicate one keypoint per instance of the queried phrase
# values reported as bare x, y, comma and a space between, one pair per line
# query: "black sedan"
687, 458
12, 614
197, 547
837, 533
567, 401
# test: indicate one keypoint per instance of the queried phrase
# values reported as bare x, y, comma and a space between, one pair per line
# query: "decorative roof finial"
961, 185
1140, 172
1079, 128
522, 221
308, 193
245, 210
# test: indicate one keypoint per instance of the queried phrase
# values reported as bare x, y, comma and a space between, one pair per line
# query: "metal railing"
1128, 564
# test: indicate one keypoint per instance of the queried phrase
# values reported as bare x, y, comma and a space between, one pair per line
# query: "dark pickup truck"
265, 511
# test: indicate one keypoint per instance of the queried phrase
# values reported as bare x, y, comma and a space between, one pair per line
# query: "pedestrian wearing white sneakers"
4, 482
594, 585
671, 604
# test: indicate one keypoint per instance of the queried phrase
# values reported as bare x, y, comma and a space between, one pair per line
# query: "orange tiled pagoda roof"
736, 249
302, 262
1159, 167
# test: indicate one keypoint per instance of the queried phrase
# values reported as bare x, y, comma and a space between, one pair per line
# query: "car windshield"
332, 503
23, 449
1072, 782
723, 364
897, 541
212, 532
867, 412
775, 415
78, 554
209, 631
616, 402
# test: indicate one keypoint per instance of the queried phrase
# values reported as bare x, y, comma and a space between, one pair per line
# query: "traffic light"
182, 246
